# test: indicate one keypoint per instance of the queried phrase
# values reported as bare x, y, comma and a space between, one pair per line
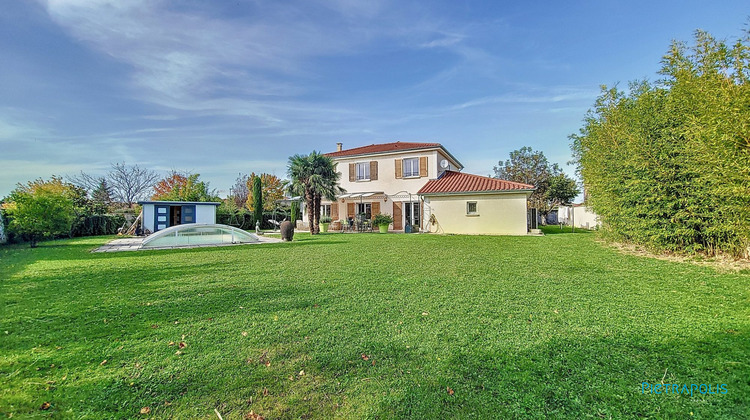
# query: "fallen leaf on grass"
373, 362
450, 391
425, 313
182, 345
171, 343
244, 333
45, 406
178, 352
302, 373
154, 326
265, 392
254, 416
365, 357
104, 362
145, 410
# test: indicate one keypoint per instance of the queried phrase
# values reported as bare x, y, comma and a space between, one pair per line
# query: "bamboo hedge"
667, 164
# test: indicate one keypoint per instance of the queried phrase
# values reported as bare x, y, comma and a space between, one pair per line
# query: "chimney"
339, 146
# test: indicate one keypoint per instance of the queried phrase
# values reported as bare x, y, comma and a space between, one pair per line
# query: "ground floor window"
471, 207
325, 210
411, 210
365, 208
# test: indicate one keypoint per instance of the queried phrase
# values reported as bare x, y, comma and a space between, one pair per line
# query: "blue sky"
220, 87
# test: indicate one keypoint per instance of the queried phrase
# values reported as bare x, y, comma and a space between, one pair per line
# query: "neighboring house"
158, 215
384, 178
391, 178
578, 215
472, 204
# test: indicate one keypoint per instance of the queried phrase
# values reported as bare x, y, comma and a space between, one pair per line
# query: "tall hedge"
667, 165
97, 224
258, 200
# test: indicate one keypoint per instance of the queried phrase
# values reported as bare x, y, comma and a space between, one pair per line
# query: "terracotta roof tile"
459, 182
382, 148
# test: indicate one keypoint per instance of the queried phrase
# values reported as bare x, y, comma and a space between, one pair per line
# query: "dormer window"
363, 171
411, 167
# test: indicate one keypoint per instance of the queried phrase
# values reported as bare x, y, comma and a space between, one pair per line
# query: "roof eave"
395, 152
526, 191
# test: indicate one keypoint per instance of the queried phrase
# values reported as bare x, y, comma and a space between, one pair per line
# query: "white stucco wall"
582, 217
497, 214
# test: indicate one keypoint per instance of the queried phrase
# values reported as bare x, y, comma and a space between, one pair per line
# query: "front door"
161, 217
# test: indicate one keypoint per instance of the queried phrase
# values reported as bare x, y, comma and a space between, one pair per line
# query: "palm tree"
324, 183
313, 176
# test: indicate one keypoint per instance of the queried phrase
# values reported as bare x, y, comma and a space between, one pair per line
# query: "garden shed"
158, 215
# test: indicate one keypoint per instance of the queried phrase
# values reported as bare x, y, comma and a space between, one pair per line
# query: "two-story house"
385, 178
421, 186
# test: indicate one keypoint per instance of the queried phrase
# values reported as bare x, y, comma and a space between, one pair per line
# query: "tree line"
85, 204
667, 164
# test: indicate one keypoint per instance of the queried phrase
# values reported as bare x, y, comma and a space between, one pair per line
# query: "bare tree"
86, 181
240, 192
131, 183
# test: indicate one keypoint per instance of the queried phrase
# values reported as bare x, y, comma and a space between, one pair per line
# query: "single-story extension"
158, 215
462, 203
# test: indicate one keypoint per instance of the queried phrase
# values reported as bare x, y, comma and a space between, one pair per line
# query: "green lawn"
369, 326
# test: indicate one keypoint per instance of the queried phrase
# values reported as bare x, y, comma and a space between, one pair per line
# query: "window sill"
363, 180
472, 215
411, 177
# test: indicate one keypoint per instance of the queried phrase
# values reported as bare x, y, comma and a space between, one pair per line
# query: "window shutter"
375, 206
334, 211
399, 169
350, 209
397, 216
423, 166
352, 174
373, 170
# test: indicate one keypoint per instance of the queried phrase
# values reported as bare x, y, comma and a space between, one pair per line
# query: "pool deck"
135, 244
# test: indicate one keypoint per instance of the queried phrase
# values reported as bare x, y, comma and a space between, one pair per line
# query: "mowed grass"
369, 326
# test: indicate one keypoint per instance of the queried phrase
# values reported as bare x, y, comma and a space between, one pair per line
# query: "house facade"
459, 203
385, 178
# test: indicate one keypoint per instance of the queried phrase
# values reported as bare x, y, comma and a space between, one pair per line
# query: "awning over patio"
361, 194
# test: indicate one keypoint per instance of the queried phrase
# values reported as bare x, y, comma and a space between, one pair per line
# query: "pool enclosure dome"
197, 234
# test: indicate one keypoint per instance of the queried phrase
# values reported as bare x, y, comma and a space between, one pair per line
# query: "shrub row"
667, 165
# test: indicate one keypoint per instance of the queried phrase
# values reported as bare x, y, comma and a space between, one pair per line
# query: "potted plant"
324, 222
382, 221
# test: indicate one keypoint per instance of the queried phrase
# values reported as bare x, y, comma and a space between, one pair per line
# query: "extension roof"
452, 182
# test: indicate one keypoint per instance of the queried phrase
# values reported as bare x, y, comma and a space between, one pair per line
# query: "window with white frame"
411, 167
325, 210
471, 208
363, 171
364, 210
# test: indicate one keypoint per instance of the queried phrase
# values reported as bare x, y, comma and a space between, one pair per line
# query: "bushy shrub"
668, 165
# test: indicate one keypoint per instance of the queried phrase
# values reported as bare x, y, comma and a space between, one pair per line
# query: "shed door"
188, 214
161, 217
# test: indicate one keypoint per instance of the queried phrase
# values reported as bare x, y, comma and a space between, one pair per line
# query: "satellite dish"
444, 164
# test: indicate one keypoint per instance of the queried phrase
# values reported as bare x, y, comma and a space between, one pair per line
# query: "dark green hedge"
97, 224
667, 165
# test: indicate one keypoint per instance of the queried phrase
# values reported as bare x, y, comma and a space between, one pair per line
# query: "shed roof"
181, 203
452, 182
